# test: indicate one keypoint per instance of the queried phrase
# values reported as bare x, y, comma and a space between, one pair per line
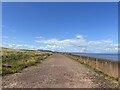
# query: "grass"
14, 61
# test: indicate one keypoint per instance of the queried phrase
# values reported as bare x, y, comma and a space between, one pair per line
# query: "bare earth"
57, 71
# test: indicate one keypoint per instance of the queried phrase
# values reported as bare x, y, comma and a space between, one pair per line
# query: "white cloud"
19, 46
80, 37
52, 47
116, 45
78, 40
40, 37
79, 44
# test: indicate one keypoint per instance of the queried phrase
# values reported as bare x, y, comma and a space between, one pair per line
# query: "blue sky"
79, 27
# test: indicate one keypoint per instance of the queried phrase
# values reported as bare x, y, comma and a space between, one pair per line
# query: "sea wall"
108, 67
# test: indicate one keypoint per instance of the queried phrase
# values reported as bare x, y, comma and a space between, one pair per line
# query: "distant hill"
44, 50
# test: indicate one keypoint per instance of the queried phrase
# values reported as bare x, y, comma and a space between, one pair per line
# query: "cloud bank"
77, 44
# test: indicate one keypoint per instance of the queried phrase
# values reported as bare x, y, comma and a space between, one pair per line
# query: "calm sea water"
104, 56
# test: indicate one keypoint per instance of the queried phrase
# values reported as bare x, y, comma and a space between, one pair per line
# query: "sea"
115, 57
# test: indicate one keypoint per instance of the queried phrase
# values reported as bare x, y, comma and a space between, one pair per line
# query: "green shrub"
15, 61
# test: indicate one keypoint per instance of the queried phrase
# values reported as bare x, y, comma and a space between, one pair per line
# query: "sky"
66, 27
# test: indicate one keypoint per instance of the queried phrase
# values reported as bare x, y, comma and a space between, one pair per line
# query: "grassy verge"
14, 61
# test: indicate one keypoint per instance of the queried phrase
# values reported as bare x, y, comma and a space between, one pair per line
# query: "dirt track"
57, 71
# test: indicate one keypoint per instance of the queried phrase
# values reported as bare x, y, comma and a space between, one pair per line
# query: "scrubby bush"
14, 61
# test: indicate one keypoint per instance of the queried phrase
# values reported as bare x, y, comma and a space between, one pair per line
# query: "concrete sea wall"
108, 67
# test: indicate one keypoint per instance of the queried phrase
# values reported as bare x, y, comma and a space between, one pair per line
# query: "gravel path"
57, 71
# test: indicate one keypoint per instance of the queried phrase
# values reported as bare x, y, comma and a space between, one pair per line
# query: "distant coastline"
109, 56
